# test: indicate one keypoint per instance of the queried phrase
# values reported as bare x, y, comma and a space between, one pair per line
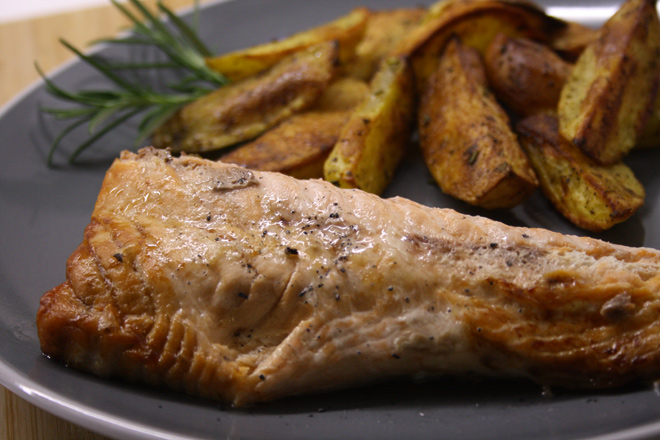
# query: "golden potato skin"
650, 137
606, 100
373, 142
243, 110
570, 41
385, 30
465, 136
524, 75
476, 22
347, 31
593, 197
300, 145
344, 93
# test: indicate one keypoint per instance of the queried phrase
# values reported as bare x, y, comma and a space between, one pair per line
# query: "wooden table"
21, 44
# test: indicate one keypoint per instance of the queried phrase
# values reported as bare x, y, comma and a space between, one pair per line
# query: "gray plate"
44, 211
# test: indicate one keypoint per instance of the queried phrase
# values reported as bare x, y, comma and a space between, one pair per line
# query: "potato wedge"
243, 110
344, 93
524, 75
476, 22
441, 7
593, 197
570, 41
300, 145
465, 136
375, 138
346, 30
650, 137
607, 98
385, 29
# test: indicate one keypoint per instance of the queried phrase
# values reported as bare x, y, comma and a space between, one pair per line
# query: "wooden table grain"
22, 43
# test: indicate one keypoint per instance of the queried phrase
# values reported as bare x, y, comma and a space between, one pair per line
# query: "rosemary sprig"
104, 110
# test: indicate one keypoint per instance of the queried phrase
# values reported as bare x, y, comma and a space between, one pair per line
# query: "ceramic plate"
43, 213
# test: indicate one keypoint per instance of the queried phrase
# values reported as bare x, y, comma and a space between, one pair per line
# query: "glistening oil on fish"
275, 287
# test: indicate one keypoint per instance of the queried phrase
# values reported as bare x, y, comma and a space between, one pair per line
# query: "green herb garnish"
105, 109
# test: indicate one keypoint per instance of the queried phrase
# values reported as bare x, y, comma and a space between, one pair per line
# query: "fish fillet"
248, 286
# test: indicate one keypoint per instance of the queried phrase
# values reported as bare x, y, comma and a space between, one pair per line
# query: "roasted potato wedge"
347, 31
440, 7
465, 136
650, 137
374, 140
606, 101
476, 22
300, 145
345, 93
525, 75
570, 41
385, 30
593, 197
243, 110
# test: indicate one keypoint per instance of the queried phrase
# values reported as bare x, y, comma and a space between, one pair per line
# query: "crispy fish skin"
249, 286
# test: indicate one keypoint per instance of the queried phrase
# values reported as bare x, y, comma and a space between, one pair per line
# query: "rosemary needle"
105, 109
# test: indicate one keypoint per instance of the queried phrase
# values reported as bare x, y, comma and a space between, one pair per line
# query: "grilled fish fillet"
249, 286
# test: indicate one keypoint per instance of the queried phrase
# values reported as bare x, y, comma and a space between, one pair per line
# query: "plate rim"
108, 424
76, 412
